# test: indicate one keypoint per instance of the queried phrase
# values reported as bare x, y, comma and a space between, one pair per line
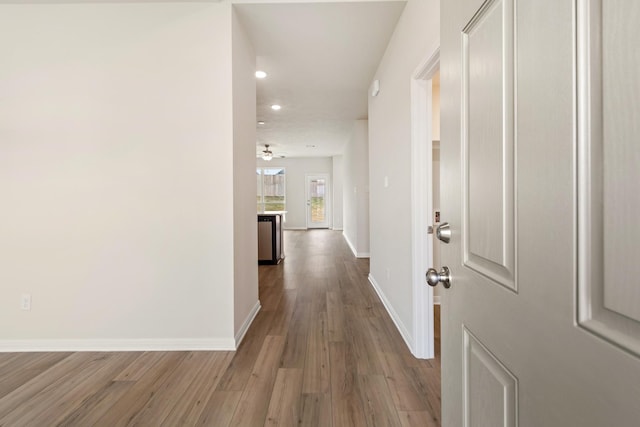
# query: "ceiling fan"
266, 153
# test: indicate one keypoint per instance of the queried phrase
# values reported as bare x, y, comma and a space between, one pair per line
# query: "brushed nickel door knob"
434, 277
443, 232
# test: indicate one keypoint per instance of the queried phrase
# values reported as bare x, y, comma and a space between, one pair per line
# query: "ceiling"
320, 59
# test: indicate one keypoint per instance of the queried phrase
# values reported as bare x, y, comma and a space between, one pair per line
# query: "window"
271, 189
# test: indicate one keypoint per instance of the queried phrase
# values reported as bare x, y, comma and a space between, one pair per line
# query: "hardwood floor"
321, 352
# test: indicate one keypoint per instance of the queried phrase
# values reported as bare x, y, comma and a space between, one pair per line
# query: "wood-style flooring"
321, 352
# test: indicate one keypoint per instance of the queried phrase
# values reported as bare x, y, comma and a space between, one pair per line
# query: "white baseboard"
406, 336
160, 344
294, 228
189, 344
337, 228
353, 248
247, 323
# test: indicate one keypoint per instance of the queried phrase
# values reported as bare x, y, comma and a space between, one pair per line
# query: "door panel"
563, 225
493, 387
608, 106
487, 109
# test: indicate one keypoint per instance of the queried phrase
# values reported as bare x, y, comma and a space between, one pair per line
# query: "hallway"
330, 346
321, 352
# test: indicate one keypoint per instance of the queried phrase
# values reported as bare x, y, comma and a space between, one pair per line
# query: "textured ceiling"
320, 59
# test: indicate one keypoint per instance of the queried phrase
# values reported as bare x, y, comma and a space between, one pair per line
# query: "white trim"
429, 66
247, 323
353, 248
294, 228
160, 344
337, 229
422, 203
404, 332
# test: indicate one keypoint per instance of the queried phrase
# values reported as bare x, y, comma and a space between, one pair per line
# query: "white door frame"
422, 203
327, 198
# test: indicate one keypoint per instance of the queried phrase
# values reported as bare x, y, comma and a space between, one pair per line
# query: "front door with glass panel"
317, 201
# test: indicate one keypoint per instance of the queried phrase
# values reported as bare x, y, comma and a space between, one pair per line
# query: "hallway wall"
414, 39
356, 190
245, 254
338, 197
117, 176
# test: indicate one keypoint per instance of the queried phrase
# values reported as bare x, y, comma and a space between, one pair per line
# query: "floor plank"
417, 419
95, 407
376, 397
160, 405
191, 408
347, 409
25, 396
253, 405
316, 368
136, 398
54, 403
22, 368
285, 399
316, 410
405, 395
219, 409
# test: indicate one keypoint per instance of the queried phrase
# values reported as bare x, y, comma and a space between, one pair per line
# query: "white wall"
338, 174
415, 37
244, 180
115, 176
435, 112
356, 189
295, 182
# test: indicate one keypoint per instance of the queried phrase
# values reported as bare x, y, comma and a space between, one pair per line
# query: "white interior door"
540, 155
317, 190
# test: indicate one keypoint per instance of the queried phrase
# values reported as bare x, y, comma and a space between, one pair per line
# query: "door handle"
443, 232
444, 277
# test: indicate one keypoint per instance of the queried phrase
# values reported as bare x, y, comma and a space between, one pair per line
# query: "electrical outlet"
25, 302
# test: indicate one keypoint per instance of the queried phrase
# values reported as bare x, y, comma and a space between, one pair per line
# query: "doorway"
425, 118
318, 200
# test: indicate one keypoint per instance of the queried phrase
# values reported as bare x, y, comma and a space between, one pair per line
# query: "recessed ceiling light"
260, 122
261, 74
275, 107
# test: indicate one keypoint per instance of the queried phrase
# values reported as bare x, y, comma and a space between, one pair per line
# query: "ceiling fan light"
266, 153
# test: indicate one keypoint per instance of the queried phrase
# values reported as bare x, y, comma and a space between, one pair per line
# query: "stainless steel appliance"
270, 238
